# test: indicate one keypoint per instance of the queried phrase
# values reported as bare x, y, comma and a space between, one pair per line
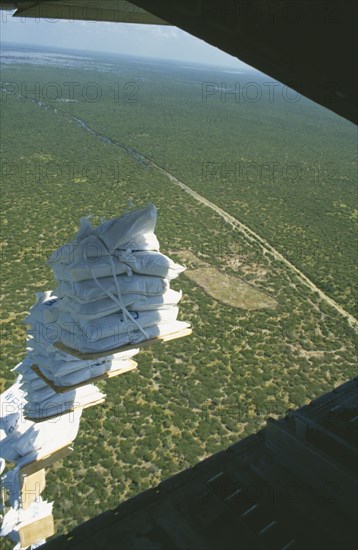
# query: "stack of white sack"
43, 402
23, 441
47, 322
114, 285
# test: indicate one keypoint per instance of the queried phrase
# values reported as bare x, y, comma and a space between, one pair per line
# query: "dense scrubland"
192, 397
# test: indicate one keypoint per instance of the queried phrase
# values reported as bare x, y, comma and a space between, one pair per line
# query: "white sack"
86, 373
134, 231
82, 269
60, 403
12, 402
106, 306
63, 368
115, 324
86, 291
135, 337
44, 308
142, 263
152, 263
38, 437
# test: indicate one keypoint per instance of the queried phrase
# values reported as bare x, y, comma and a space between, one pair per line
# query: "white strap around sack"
119, 300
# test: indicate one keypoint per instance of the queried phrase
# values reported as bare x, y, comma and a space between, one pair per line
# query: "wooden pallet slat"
44, 461
31, 487
37, 530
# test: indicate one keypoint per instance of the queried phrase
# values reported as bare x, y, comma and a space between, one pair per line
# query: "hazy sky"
142, 40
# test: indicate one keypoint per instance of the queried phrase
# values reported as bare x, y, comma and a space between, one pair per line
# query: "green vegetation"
190, 397
285, 168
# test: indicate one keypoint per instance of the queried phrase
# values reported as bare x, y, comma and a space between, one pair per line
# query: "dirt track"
254, 237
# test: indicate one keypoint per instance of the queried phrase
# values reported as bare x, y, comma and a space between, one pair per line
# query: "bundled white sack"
40, 396
12, 403
37, 392
60, 368
132, 231
13, 423
78, 371
79, 376
152, 263
46, 353
73, 378
42, 314
49, 435
110, 294
44, 336
106, 345
27, 374
30, 439
60, 403
32, 383
82, 270
106, 306
88, 290
43, 309
125, 262
64, 368
115, 324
